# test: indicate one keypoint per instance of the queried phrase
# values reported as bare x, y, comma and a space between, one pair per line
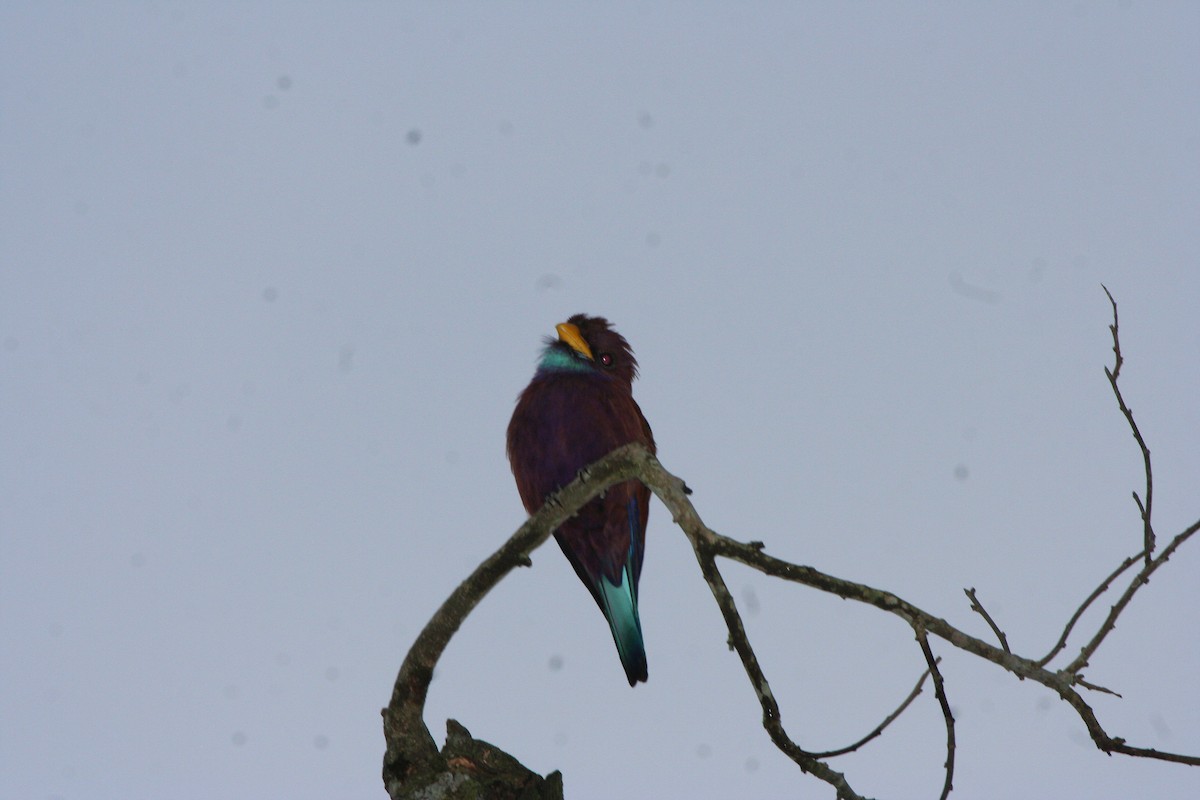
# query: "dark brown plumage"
578, 407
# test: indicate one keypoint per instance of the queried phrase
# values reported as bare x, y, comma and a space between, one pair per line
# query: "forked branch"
413, 766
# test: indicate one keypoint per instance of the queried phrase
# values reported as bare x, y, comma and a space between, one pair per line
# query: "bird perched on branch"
578, 407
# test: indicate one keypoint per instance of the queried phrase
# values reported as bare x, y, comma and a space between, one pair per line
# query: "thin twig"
939, 689
1099, 590
1095, 687
978, 607
888, 720
1135, 583
1113, 374
771, 719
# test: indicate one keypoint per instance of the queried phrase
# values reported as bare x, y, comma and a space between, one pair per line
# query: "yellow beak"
570, 334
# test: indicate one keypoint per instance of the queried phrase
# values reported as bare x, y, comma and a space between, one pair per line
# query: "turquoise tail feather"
621, 611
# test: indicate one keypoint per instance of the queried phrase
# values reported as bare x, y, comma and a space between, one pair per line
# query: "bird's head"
590, 343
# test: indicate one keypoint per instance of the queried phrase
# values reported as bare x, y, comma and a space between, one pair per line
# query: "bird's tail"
621, 611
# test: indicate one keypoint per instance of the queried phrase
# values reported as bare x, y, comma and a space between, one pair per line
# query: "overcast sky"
272, 276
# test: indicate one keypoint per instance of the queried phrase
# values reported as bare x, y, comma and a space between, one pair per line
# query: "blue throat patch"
555, 359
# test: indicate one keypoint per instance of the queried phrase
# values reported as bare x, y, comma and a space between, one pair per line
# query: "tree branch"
977, 607
939, 689
1099, 590
888, 720
413, 766
412, 761
1113, 374
771, 719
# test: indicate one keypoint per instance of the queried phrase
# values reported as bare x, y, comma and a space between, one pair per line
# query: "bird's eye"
606, 359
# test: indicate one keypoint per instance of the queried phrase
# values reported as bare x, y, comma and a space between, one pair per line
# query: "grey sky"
272, 275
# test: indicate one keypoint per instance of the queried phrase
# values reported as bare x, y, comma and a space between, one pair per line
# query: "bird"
579, 407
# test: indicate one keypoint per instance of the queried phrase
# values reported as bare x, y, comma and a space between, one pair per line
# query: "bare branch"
753, 555
978, 607
413, 766
1113, 374
1061, 682
1137, 582
1094, 687
412, 754
888, 720
771, 719
1099, 590
412, 757
939, 689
